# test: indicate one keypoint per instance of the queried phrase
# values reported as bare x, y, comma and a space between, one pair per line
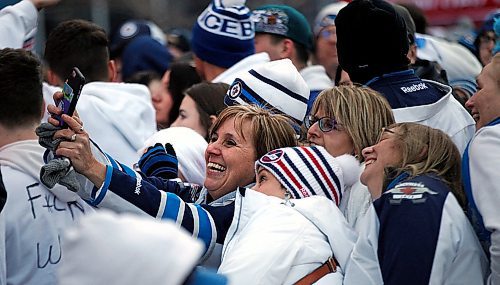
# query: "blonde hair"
269, 131
427, 150
362, 112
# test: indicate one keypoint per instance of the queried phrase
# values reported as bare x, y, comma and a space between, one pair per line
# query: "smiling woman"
344, 120
238, 137
413, 174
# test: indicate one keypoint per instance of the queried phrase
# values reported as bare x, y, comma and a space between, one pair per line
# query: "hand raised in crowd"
159, 161
40, 4
76, 144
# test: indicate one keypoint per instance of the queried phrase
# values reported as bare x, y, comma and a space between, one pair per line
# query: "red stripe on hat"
289, 173
321, 170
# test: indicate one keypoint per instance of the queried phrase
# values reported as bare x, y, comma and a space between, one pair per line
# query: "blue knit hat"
224, 33
144, 53
132, 29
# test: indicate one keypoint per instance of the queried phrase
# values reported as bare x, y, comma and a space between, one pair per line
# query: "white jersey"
34, 217
119, 117
481, 163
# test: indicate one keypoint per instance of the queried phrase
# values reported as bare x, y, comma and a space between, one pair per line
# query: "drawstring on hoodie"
287, 198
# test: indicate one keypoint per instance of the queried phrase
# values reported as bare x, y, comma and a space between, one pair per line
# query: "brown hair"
269, 131
209, 99
428, 150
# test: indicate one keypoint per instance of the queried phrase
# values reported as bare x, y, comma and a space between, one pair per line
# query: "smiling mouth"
369, 161
476, 116
215, 167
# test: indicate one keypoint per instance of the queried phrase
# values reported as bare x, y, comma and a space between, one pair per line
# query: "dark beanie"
372, 39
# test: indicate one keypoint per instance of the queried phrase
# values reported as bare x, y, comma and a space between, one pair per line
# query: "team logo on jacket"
235, 90
413, 191
272, 156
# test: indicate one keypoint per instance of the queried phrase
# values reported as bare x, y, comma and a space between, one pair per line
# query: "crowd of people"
256, 150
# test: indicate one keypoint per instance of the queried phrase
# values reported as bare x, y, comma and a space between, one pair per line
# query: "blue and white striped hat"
275, 85
311, 171
223, 34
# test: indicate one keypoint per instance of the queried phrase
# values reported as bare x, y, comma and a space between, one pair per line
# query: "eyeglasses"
385, 130
327, 33
488, 38
326, 124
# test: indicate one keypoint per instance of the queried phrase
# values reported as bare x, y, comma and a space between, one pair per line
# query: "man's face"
264, 43
485, 104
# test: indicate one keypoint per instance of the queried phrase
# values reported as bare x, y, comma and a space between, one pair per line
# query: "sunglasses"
326, 124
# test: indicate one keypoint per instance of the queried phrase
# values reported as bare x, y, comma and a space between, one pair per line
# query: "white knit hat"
275, 85
326, 17
310, 171
190, 149
106, 248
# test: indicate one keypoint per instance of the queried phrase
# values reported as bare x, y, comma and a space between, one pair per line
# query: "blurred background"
447, 18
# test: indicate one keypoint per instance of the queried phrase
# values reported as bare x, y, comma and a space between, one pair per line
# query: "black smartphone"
71, 92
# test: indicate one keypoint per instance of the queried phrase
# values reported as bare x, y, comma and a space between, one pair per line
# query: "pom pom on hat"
223, 34
351, 169
275, 85
310, 171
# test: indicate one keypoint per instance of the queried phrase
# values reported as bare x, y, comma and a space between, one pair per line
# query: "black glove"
159, 161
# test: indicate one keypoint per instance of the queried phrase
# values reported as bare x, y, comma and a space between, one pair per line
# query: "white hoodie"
273, 243
34, 217
119, 117
16, 22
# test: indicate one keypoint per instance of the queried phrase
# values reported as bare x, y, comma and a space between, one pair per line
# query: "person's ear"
287, 48
212, 118
112, 71
53, 79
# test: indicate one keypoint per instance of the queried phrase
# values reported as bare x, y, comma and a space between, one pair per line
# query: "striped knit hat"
223, 34
275, 85
310, 171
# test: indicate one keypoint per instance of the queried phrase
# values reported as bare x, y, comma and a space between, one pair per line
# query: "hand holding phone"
71, 93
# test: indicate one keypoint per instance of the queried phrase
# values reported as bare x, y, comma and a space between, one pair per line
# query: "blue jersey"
404, 89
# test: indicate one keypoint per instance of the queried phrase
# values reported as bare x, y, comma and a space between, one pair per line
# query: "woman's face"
189, 117
486, 45
230, 159
326, 47
162, 99
387, 152
267, 184
336, 141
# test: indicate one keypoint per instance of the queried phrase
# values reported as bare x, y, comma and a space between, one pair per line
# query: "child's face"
268, 184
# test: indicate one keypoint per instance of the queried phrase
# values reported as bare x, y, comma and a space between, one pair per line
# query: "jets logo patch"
409, 191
